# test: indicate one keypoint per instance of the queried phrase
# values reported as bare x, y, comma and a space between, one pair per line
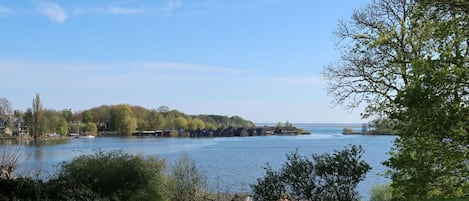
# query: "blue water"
231, 164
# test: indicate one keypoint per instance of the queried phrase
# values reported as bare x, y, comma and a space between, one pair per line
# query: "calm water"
231, 164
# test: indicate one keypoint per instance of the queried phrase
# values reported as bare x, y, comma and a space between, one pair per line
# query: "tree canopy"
408, 62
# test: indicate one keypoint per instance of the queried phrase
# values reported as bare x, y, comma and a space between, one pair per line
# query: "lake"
231, 164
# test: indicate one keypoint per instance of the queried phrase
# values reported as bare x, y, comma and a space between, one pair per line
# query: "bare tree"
376, 49
9, 160
5, 107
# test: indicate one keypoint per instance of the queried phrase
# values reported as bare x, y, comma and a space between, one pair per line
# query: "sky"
259, 59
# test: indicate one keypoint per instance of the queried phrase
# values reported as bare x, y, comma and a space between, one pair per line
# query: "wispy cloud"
4, 10
53, 11
171, 6
127, 11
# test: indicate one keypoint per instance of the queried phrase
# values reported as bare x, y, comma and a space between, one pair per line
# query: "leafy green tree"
155, 120
407, 61
198, 124
180, 122
91, 129
325, 177
62, 127
67, 114
123, 120
87, 116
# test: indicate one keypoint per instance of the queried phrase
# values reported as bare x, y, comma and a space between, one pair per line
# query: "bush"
115, 175
186, 182
327, 177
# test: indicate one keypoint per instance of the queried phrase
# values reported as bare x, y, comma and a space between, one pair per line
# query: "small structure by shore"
225, 132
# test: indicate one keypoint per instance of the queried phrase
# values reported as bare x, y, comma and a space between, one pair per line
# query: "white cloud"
4, 10
53, 11
120, 10
171, 6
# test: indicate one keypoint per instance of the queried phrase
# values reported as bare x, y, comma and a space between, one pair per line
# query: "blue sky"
260, 59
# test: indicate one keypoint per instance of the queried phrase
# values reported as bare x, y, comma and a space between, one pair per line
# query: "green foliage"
116, 175
186, 182
408, 62
111, 117
87, 116
325, 177
22, 189
180, 123
37, 122
123, 120
91, 129
381, 192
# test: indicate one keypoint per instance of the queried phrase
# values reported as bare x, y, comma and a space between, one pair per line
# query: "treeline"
126, 119
121, 119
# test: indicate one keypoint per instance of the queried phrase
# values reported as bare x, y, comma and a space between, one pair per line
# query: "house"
21, 128
166, 133
266, 130
286, 131
229, 132
241, 132
3, 124
17, 125
252, 132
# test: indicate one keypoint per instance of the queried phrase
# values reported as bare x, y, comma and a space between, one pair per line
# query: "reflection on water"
32, 142
231, 164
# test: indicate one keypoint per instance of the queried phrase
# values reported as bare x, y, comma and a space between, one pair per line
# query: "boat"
87, 136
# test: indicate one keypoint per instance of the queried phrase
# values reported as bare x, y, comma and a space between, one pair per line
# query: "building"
17, 125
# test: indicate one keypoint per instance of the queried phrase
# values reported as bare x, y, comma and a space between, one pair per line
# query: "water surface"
231, 164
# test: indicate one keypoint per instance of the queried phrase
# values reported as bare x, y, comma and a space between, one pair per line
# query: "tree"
91, 129
62, 127
37, 115
87, 116
155, 120
123, 120
180, 123
187, 183
325, 177
198, 123
163, 109
67, 114
408, 61
5, 107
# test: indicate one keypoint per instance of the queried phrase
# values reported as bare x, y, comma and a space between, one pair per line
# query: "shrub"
327, 177
116, 175
186, 182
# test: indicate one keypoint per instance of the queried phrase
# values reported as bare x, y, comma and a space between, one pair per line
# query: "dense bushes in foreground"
112, 176
327, 177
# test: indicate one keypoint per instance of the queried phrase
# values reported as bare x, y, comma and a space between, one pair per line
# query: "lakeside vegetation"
407, 62
127, 120
107, 119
